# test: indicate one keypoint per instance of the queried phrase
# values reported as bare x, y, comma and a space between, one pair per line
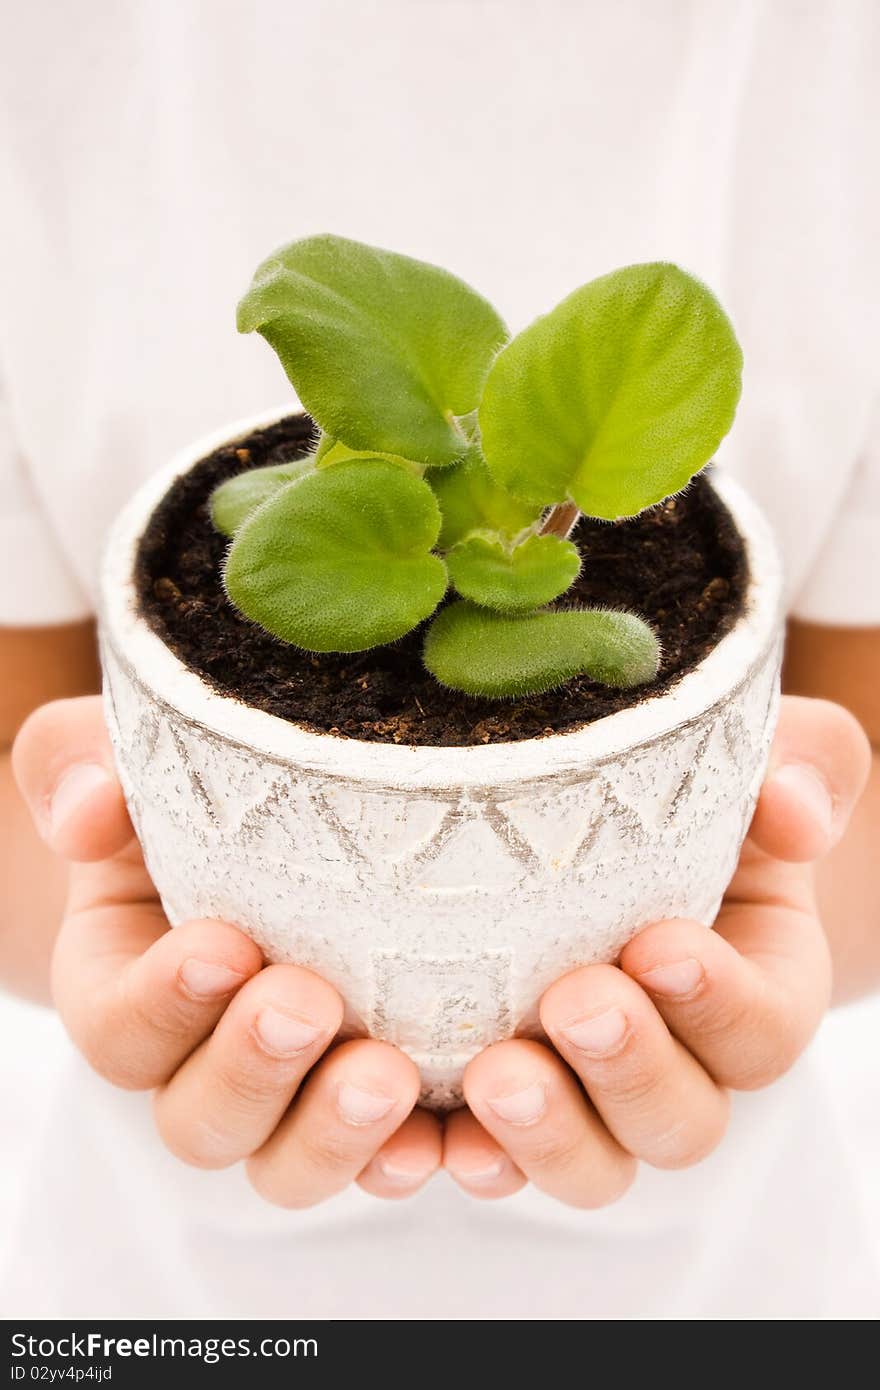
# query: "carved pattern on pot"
428, 908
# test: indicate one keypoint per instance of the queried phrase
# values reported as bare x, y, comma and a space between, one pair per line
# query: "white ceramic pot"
441, 890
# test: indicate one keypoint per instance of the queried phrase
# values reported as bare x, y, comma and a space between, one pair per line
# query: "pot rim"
169, 682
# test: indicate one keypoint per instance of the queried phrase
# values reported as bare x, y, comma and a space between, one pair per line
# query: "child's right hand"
240, 1054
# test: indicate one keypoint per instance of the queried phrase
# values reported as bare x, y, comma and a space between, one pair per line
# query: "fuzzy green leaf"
617, 397
495, 655
384, 351
513, 581
340, 561
337, 452
326, 442
471, 501
235, 499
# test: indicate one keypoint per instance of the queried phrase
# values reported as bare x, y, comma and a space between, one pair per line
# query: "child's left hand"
645, 1050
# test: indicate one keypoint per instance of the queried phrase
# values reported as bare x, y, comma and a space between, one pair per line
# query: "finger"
136, 997
818, 768
351, 1105
746, 998
654, 1097
476, 1161
408, 1159
531, 1104
63, 764
228, 1096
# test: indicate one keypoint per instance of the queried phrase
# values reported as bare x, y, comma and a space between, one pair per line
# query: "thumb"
63, 764
818, 768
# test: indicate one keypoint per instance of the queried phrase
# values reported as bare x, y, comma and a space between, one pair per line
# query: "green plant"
450, 455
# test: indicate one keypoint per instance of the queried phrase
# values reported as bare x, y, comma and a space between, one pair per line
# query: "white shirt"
156, 152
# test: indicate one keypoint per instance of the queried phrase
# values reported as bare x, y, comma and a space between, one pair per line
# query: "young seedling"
451, 456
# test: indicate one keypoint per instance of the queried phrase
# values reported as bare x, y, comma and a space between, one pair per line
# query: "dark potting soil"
681, 566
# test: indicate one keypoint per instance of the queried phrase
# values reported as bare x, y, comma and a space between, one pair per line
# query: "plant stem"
465, 425
560, 520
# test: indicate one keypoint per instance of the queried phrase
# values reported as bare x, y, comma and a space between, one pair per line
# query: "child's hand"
226, 1041
688, 1012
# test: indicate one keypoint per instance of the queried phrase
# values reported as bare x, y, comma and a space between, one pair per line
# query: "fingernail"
598, 1035
811, 790
400, 1177
74, 788
491, 1172
520, 1107
206, 981
677, 981
361, 1107
282, 1035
